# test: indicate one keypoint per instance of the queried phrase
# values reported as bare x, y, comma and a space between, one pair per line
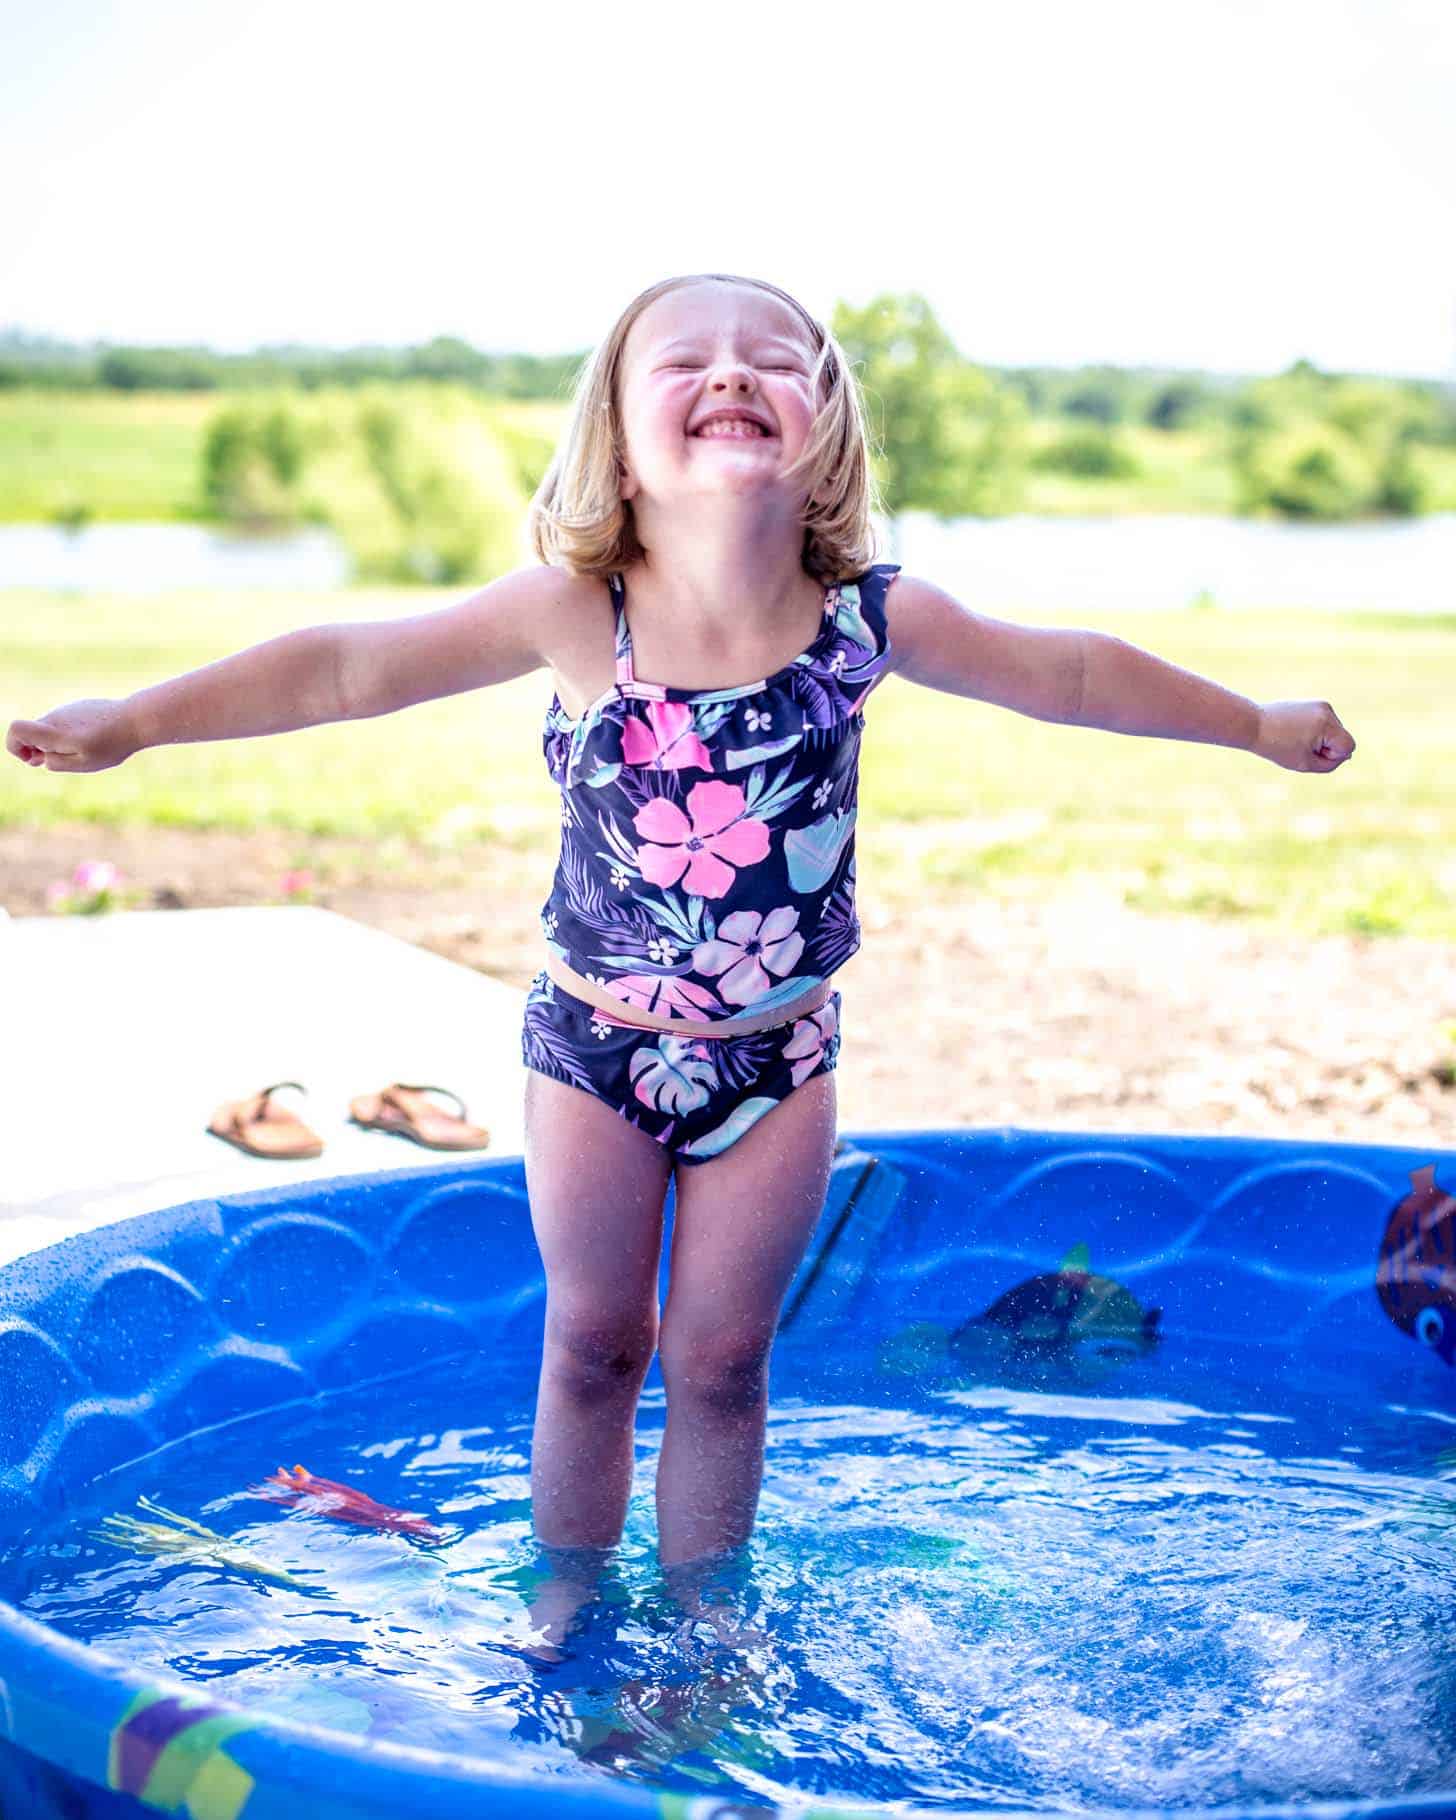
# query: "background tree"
1176, 405
946, 435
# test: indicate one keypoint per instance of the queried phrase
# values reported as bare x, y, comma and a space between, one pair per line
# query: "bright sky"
1227, 184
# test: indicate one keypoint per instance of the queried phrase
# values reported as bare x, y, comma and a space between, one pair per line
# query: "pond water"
140, 558
1030, 565
1023, 565
1208, 1576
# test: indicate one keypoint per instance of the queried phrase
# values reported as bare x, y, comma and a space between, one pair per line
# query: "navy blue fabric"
696, 1095
707, 861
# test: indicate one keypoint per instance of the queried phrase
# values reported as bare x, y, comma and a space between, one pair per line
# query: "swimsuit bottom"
694, 1095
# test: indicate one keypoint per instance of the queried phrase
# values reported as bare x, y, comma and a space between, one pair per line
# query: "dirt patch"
1072, 1012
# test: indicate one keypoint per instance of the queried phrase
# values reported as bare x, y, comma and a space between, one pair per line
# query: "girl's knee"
593, 1356
724, 1371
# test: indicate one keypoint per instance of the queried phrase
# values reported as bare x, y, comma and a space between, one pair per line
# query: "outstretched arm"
304, 678
1091, 679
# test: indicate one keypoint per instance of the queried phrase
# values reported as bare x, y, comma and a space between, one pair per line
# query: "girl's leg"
596, 1187
743, 1222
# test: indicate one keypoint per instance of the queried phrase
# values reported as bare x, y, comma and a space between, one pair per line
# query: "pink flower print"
749, 949
665, 738
696, 851
811, 1036
666, 995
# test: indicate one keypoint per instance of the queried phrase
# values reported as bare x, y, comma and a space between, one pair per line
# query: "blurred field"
954, 793
136, 457
109, 455
122, 457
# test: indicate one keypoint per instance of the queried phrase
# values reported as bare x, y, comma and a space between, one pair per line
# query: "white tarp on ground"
121, 1034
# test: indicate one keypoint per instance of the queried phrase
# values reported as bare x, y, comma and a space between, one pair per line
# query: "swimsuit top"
707, 837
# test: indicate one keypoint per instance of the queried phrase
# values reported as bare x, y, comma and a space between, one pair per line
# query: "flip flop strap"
254, 1108
405, 1087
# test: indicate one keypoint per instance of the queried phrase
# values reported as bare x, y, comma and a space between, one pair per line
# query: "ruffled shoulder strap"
862, 615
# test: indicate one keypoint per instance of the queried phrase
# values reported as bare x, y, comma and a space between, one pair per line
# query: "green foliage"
1400, 489
416, 482
1177, 405
74, 516
1098, 398
159, 370
252, 459
1312, 471
1317, 446
1090, 452
947, 435
530, 441
420, 487
38, 361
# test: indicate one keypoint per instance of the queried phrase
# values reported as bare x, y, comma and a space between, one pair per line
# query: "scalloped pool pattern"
116, 1343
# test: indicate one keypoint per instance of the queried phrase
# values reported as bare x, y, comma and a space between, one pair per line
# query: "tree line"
424, 480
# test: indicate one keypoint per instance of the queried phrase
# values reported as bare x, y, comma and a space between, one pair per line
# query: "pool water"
1168, 1577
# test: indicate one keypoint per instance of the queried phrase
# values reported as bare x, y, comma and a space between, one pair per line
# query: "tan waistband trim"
601, 1000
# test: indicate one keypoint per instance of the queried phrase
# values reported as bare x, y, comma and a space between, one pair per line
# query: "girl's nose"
733, 373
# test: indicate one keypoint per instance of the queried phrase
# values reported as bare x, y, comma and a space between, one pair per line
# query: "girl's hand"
82, 736
1302, 736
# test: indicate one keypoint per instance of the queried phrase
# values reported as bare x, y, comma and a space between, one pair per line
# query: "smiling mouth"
732, 432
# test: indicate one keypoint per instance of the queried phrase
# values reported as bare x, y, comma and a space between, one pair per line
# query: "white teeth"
733, 426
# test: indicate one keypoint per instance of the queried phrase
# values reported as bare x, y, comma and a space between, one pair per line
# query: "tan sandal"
260, 1128
406, 1112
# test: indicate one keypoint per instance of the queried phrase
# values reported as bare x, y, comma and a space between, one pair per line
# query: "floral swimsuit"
707, 873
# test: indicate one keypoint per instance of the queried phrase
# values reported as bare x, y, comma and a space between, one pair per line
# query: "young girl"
706, 603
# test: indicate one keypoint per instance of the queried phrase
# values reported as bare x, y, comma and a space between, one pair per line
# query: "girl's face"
702, 349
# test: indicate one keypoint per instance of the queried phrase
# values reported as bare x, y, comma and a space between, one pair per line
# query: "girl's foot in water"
690, 1583
729, 1631
572, 1582
536, 1651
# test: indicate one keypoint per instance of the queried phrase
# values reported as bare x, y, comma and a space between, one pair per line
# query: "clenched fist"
1302, 736
82, 736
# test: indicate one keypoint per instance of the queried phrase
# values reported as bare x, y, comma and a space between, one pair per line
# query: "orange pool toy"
346, 1502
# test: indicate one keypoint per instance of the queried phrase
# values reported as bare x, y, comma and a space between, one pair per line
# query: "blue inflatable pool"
1148, 1500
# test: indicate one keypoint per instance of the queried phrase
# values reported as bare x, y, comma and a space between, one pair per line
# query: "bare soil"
1071, 1012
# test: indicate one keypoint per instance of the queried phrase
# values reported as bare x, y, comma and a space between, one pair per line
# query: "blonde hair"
579, 520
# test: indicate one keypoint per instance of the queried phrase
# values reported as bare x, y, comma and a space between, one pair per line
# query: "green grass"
955, 794
113, 456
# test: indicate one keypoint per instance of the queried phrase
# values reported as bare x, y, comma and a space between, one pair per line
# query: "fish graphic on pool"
1415, 1276
1062, 1309
1068, 1318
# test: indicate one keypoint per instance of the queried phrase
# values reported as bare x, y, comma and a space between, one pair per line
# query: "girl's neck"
720, 598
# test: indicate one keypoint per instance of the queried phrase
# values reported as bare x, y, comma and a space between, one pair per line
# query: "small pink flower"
748, 949
811, 1036
665, 738
298, 883
696, 851
95, 877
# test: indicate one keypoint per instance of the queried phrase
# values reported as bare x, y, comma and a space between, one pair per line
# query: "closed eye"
691, 366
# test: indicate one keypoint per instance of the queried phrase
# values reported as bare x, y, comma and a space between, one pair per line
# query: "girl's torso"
706, 876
